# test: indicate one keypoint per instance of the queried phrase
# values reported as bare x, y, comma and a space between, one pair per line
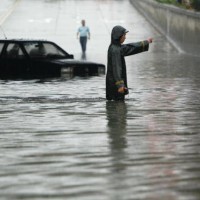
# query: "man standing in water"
116, 77
83, 33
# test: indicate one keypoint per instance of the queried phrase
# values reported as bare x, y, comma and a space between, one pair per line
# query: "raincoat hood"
117, 32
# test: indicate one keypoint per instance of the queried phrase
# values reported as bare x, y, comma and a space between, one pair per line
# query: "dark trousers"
83, 41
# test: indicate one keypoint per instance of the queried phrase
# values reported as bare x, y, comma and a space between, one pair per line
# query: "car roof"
25, 40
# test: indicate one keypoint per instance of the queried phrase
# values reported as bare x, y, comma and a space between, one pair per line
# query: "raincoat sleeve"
117, 68
134, 48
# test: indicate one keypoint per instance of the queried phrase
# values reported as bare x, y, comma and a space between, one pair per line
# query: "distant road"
6, 9
58, 21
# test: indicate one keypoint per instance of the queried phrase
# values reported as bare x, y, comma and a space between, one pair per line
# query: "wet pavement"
60, 138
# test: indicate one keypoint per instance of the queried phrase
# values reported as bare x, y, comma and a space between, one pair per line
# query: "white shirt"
83, 31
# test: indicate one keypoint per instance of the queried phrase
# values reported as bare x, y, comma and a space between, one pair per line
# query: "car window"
43, 50
13, 50
1, 47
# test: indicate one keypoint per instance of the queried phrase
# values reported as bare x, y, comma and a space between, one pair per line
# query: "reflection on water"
116, 116
116, 113
63, 143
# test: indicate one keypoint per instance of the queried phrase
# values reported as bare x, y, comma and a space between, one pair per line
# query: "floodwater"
60, 138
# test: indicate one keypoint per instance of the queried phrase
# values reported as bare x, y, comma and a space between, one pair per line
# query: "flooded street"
61, 139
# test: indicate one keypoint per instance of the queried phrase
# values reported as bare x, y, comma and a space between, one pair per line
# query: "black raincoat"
116, 76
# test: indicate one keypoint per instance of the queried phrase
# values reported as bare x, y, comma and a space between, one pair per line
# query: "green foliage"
167, 1
196, 4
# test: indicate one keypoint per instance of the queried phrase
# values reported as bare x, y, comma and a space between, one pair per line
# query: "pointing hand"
150, 40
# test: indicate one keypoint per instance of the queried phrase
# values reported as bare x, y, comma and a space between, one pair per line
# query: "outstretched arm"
137, 47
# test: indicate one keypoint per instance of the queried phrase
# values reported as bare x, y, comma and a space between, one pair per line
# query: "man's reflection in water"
116, 116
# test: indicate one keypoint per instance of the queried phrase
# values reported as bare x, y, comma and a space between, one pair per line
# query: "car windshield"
43, 50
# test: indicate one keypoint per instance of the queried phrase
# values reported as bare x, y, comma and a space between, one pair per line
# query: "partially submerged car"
41, 59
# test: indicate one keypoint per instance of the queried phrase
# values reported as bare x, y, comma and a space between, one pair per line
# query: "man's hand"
150, 40
122, 90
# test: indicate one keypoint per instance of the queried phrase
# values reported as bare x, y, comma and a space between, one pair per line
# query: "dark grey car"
41, 59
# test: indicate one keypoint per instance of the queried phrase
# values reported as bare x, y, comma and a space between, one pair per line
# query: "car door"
2, 45
14, 63
41, 65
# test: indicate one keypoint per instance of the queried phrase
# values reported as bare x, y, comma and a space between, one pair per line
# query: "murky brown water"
60, 138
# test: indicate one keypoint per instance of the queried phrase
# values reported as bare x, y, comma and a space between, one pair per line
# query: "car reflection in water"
41, 59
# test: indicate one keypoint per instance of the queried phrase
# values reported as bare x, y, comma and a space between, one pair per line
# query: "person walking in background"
83, 34
116, 77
